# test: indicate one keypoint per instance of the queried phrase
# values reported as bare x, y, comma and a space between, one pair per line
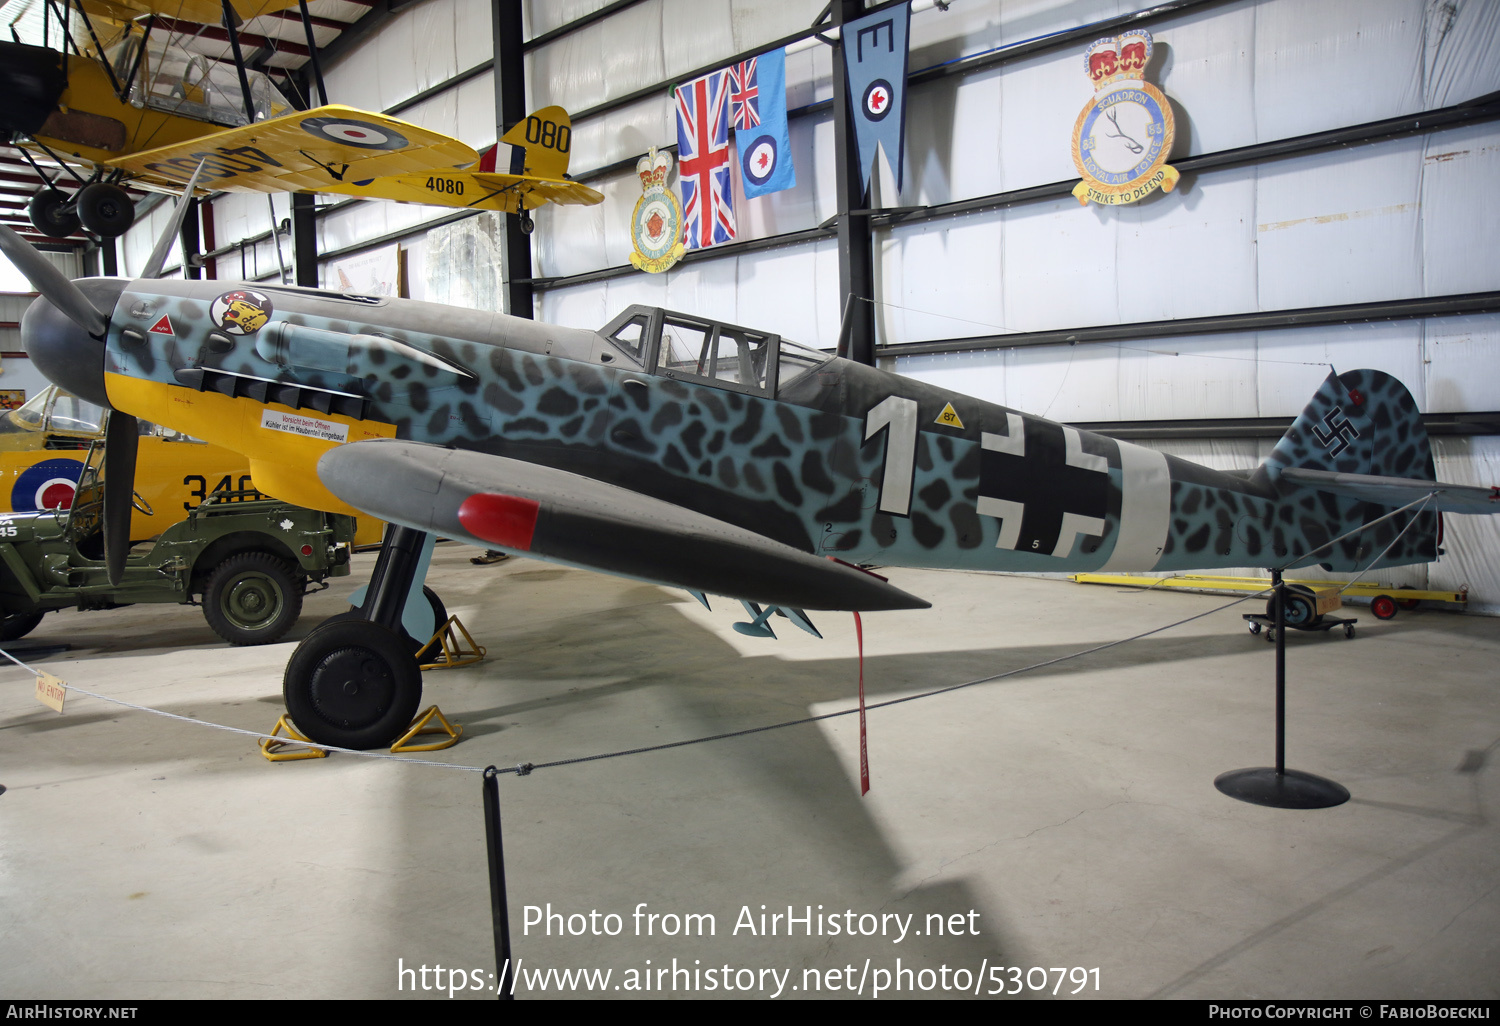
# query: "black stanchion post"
499, 910
1281, 788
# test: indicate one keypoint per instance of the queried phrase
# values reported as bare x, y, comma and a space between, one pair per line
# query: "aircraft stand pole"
499, 908
1281, 788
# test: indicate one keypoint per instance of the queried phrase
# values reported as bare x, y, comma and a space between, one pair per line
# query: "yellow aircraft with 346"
133, 104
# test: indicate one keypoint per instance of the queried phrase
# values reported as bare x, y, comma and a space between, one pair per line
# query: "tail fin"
1361, 423
546, 138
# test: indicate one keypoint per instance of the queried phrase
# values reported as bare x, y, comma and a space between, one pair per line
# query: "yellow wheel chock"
280, 751
453, 651
421, 726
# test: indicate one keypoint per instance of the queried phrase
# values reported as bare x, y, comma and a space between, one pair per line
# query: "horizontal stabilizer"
497, 502
1399, 491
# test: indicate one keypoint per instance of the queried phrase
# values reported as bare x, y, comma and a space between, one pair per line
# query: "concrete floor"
1067, 817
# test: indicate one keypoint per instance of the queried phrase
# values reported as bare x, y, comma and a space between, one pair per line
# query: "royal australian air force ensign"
1053, 492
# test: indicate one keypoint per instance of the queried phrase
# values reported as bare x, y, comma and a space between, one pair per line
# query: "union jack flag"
743, 93
703, 160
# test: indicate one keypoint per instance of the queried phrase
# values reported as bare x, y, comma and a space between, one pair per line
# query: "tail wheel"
353, 684
1383, 606
1301, 610
51, 213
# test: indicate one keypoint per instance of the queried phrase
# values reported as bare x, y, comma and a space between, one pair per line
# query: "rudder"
1359, 422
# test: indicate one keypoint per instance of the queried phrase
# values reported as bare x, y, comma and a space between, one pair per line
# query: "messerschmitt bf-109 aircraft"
683, 451
138, 106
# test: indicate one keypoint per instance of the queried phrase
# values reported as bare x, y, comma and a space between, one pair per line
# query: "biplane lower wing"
481, 190
308, 151
532, 509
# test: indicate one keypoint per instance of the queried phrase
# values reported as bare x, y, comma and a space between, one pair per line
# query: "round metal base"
1289, 789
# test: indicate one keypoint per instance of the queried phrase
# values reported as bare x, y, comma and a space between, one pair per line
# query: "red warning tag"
163, 326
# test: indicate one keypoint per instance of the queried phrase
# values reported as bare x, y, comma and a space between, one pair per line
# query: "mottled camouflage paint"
796, 468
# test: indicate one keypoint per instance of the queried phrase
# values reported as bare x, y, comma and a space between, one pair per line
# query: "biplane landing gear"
106, 210
51, 213
354, 681
527, 224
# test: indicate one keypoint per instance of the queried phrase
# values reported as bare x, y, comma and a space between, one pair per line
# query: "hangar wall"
1406, 217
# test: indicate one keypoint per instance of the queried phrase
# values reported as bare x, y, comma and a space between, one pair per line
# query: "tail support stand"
1281, 788
499, 910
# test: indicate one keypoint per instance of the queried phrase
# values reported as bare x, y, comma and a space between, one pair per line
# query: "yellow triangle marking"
949, 418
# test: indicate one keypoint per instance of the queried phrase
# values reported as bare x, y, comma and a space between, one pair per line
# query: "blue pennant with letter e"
875, 66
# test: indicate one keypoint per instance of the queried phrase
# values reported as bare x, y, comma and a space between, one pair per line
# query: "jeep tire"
252, 598
18, 625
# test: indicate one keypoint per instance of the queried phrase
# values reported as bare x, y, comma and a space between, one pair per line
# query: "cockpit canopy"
676, 345
175, 80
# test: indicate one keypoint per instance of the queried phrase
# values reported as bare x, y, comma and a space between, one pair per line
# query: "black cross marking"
1044, 484
1339, 430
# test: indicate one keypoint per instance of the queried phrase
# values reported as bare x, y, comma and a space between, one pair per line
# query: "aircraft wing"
1398, 491
305, 151
205, 12
498, 502
481, 190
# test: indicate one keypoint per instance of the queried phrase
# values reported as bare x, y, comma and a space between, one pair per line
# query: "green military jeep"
250, 561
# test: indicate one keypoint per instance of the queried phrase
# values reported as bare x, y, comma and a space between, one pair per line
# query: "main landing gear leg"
354, 681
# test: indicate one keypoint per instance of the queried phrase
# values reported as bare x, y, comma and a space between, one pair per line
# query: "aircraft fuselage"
825, 455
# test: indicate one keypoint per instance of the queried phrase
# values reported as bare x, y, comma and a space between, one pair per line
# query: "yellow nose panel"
282, 444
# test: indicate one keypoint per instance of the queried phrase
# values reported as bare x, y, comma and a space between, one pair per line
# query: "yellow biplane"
132, 104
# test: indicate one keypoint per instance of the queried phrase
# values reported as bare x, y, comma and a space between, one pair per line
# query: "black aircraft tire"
50, 214
18, 625
252, 598
105, 209
352, 684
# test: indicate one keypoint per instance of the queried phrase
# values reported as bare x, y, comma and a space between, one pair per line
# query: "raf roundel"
877, 100
354, 133
759, 162
50, 484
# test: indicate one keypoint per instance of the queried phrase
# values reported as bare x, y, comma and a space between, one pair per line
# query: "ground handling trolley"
1307, 609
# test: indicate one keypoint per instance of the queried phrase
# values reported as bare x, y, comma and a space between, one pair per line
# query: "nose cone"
62, 350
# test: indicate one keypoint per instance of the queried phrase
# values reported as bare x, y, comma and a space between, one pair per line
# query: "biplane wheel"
527, 224
105, 209
51, 213
353, 684
1383, 606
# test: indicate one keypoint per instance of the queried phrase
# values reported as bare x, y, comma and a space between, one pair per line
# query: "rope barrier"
526, 768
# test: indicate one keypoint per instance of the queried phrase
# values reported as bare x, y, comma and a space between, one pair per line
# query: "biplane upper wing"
499, 502
310, 150
204, 12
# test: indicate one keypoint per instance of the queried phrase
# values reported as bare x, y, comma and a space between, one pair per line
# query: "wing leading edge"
552, 514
